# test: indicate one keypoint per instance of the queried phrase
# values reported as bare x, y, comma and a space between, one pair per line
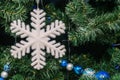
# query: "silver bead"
69, 66
4, 74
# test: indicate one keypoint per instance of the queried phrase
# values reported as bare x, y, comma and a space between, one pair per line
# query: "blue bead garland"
4, 73
101, 75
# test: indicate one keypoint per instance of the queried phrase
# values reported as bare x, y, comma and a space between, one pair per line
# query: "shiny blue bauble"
102, 75
78, 70
1, 78
63, 63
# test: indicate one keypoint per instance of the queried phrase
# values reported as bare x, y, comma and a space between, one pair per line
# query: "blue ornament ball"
102, 75
78, 70
1, 78
63, 63
89, 72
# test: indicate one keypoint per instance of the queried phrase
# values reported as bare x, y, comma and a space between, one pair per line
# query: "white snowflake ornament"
38, 39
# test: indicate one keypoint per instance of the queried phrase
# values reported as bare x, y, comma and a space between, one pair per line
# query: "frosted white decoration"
38, 39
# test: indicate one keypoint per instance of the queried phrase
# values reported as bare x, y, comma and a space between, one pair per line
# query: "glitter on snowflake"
38, 39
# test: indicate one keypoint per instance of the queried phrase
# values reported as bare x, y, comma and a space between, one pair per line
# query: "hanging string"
37, 2
40, 2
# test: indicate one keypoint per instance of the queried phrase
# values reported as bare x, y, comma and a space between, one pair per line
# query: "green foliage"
83, 59
117, 1
12, 10
54, 13
17, 77
22, 1
115, 52
11, 13
116, 77
87, 78
91, 24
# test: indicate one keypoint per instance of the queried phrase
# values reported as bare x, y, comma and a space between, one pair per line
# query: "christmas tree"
91, 40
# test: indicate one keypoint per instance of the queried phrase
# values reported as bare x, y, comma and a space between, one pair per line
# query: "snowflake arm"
55, 29
21, 29
56, 49
38, 59
20, 49
38, 19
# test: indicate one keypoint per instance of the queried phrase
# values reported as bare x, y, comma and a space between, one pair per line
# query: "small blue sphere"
1, 78
63, 63
78, 70
102, 75
48, 18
